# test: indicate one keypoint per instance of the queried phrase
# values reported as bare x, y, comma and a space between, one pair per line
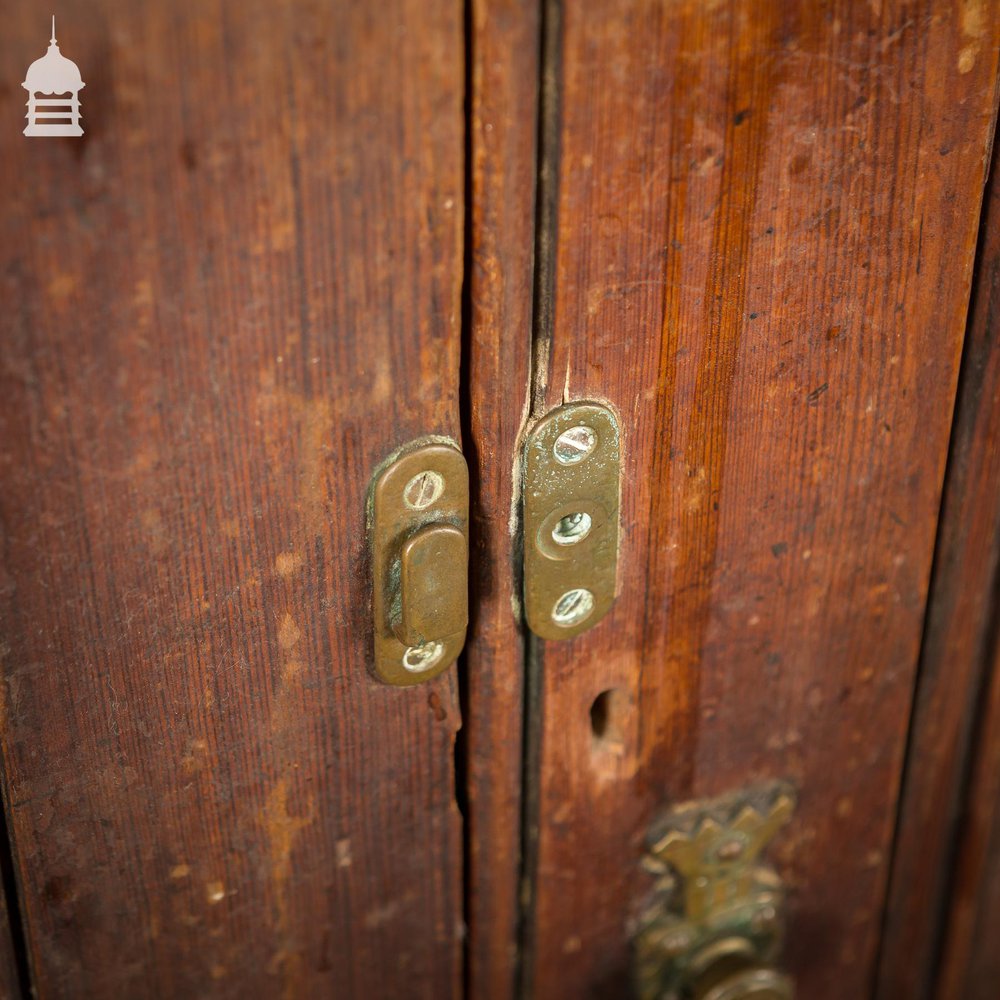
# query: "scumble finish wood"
961, 617
766, 229
222, 308
504, 88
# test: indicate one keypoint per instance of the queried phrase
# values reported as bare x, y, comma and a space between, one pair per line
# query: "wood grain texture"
503, 52
767, 218
953, 677
222, 308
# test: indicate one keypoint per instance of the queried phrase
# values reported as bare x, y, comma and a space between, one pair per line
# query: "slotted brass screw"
574, 445
418, 659
423, 489
573, 607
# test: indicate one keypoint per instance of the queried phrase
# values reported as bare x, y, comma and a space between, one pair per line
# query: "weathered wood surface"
953, 678
504, 93
767, 218
222, 308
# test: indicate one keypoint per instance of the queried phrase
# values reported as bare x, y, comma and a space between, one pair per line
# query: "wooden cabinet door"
297, 236
757, 228
223, 306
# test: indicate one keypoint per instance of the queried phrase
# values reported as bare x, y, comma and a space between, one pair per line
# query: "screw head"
573, 607
423, 489
572, 528
575, 444
419, 659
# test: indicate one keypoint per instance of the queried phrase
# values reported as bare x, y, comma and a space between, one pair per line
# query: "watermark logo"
53, 84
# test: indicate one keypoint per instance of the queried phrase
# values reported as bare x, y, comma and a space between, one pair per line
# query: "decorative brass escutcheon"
419, 530
714, 924
572, 472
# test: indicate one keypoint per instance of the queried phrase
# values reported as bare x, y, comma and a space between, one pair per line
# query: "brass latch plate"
419, 525
572, 474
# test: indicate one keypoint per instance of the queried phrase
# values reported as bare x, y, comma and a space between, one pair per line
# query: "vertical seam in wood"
529, 814
547, 203
461, 746
543, 314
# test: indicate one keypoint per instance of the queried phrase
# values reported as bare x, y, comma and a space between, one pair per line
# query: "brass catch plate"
419, 531
572, 475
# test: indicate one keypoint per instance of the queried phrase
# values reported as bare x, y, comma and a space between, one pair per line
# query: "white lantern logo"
56, 76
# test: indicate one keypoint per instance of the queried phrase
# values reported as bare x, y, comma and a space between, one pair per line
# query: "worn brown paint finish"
961, 613
223, 307
504, 90
766, 228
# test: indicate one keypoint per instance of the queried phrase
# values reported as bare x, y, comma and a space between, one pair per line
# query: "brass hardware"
715, 921
419, 518
572, 473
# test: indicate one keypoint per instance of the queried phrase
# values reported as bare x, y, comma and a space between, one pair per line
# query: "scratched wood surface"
503, 51
938, 809
221, 309
767, 219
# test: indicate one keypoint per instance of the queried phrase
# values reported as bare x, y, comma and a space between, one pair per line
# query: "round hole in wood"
607, 717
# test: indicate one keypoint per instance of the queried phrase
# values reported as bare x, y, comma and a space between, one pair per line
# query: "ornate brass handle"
714, 924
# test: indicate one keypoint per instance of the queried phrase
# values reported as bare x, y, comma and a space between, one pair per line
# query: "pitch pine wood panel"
504, 51
222, 308
767, 218
953, 681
